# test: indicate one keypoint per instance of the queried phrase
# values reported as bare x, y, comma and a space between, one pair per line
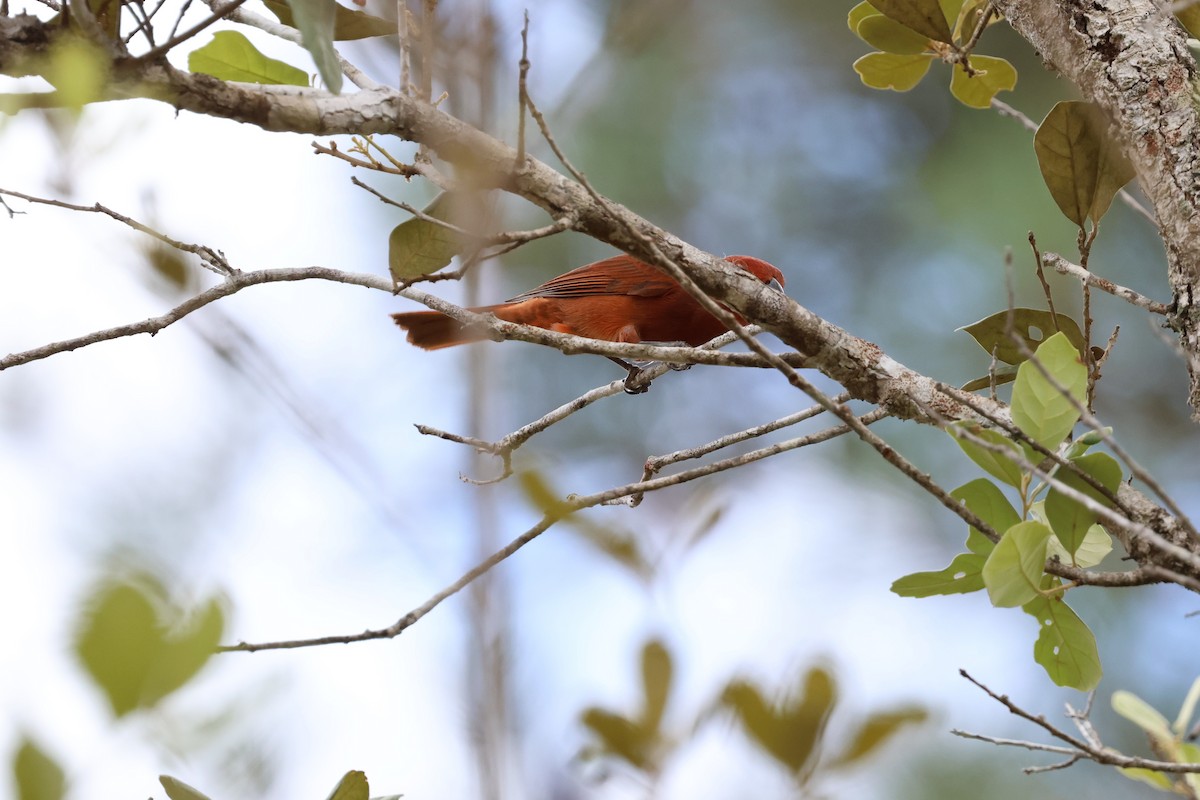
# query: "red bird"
619, 299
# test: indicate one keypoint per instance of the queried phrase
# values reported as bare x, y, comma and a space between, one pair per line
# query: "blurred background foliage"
262, 450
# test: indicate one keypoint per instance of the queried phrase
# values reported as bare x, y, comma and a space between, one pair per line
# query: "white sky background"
148, 439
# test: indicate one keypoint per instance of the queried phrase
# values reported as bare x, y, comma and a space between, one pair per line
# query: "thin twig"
218, 15
210, 259
1065, 267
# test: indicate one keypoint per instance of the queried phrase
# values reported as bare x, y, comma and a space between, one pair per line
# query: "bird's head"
767, 273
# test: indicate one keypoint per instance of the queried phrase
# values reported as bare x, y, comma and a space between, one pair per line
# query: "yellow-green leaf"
79, 70
875, 730
37, 775
1070, 520
1082, 167
352, 786
884, 33
964, 575
859, 13
419, 247
891, 71
1065, 647
1013, 571
1039, 408
923, 16
656, 683
1189, 17
985, 500
1144, 715
992, 75
998, 464
1158, 780
178, 790
231, 57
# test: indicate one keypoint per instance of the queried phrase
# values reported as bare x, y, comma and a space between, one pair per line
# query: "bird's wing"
619, 275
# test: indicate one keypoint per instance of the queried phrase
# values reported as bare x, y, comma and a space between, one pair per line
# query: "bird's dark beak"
774, 284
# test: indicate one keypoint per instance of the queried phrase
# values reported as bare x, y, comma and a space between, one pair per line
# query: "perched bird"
619, 299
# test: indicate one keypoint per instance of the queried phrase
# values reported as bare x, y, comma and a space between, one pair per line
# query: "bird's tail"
433, 330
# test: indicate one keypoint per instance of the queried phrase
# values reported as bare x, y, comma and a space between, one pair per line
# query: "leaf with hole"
1032, 325
923, 16
1040, 408
1082, 167
891, 71
1013, 571
964, 575
231, 57
991, 76
1065, 647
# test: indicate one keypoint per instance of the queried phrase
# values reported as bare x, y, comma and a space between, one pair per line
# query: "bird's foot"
632, 385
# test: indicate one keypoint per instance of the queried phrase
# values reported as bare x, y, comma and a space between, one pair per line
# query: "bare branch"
1064, 267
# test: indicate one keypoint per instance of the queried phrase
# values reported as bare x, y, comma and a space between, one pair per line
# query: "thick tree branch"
1131, 58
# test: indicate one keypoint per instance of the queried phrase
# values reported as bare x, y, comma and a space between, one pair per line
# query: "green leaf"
620, 737
1158, 780
1065, 647
347, 23
962, 576
231, 57
656, 683
178, 790
1000, 375
1038, 408
1187, 709
135, 647
1189, 17
1088, 439
539, 492
875, 730
859, 13
891, 71
1144, 715
884, 33
923, 16
1094, 548
987, 502
790, 734
314, 19
418, 247
37, 775
992, 75
996, 464
78, 70
968, 18
352, 786
1069, 520
1082, 167
1032, 325
1013, 572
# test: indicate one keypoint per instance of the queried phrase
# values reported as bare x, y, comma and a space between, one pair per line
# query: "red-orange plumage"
619, 299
